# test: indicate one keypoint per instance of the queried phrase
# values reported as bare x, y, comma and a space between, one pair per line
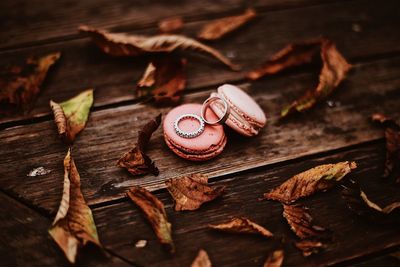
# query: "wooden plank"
121, 225
110, 133
28, 23
24, 240
83, 65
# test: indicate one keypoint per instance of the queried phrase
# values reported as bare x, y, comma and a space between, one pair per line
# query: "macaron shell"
243, 103
210, 141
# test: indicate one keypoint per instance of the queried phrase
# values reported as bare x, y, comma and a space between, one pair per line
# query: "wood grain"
83, 65
36, 21
121, 225
111, 132
24, 241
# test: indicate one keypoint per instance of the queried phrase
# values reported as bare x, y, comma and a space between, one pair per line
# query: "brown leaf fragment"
73, 226
309, 247
290, 56
71, 116
358, 202
221, 27
320, 178
392, 135
201, 260
164, 79
20, 85
242, 225
121, 44
171, 25
135, 160
191, 191
301, 222
275, 259
155, 213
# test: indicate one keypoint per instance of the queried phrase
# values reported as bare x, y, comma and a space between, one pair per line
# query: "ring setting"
185, 134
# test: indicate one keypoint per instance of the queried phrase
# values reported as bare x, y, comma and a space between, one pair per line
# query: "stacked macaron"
245, 117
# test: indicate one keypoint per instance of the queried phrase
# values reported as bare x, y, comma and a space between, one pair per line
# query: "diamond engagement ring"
193, 134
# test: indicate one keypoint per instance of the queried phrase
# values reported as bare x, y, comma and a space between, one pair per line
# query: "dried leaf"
164, 78
154, 210
242, 225
121, 44
171, 25
20, 86
290, 56
201, 260
73, 226
392, 135
190, 192
333, 72
275, 259
221, 27
309, 247
301, 222
358, 202
71, 116
135, 160
304, 184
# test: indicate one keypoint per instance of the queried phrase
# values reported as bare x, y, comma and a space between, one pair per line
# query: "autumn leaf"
73, 226
135, 160
275, 259
301, 222
333, 72
190, 192
358, 202
242, 225
171, 25
392, 135
155, 213
71, 116
221, 27
309, 247
20, 86
121, 44
319, 178
164, 79
201, 260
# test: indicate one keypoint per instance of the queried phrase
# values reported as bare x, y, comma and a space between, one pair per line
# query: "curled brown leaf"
309, 247
242, 225
221, 27
155, 213
358, 202
73, 226
20, 86
121, 44
201, 260
171, 25
135, 160
392, 135
191, 191
301, 222
304, 184
275, 259
164, 79
71, 116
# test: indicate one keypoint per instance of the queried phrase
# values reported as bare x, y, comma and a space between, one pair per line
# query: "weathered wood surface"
24, 240
25, 23
121, 225
83, 65
110, 133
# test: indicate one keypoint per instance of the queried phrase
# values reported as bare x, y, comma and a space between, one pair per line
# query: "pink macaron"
205, 146
246, 116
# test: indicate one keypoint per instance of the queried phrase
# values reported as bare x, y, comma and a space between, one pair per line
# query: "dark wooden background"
366, 32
